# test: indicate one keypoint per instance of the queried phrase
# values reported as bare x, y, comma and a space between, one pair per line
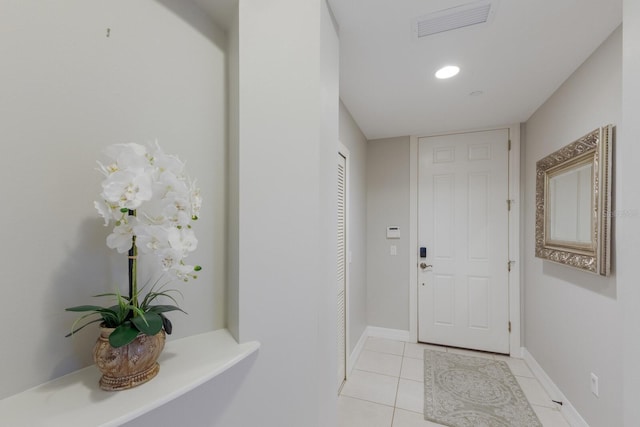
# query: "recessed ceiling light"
447, 72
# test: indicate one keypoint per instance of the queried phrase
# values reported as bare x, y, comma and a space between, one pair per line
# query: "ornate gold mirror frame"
573, 203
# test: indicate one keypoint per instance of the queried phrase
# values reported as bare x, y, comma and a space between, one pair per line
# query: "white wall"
287, 176
572, 320
288, 115
388, 204
628, 226
353, 138
68, 91
326, 367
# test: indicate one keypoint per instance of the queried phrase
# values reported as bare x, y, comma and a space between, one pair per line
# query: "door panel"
463, 222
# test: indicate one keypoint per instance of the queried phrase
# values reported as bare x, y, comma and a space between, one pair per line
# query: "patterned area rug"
465, 391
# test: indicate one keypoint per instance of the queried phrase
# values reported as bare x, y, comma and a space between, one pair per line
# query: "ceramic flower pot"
130, 365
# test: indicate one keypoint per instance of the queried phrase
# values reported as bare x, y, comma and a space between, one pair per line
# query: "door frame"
515, 349
344, 151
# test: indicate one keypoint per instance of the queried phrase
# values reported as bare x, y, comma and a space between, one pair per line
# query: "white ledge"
75, 399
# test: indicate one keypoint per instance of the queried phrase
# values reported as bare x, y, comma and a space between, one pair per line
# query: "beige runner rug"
466, 391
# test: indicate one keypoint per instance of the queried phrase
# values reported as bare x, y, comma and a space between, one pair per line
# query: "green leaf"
109, 294
164, 309
86, 308
137, 311
146, 303
150, 323
123, 335
82, 327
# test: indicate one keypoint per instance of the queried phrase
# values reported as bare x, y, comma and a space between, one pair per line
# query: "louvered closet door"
341, 276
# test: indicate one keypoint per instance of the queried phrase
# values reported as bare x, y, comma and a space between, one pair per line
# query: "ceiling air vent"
451, 19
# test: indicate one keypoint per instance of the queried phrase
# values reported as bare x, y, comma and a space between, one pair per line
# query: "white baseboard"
374, 331
391, 334
355, 354
567, 409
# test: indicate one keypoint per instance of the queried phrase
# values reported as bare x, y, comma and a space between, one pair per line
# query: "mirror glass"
570, 201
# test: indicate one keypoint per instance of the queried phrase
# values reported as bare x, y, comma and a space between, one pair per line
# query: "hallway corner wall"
571, 318
388, 192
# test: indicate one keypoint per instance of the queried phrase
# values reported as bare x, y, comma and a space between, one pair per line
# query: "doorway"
463, 225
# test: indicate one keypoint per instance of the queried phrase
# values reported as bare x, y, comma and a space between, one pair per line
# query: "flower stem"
133, 273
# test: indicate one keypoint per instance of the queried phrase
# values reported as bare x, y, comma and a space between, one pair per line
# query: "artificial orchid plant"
152, 203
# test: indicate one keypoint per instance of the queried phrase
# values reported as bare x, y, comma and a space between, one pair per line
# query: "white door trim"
514, 240
514, 235
413, 238
342, 149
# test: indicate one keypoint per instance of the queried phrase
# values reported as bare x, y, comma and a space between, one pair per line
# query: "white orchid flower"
164, 200
183, 240
150, 239
169, 258
184, 272
122, 237
107, 211
127, 189
166, 162
107, 170
132, 157
177, 209
196, 200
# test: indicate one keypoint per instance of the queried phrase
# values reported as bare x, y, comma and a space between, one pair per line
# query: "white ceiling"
517, 59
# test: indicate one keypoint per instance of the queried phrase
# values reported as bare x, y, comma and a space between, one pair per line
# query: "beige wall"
67, 92
388, 204
571, 318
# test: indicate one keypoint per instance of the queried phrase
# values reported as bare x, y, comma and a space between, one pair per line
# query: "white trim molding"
375, 332
390, 334
413, 238
514, 240
355, 354
568, 411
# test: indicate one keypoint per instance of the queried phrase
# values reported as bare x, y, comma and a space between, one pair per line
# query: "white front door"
463, 292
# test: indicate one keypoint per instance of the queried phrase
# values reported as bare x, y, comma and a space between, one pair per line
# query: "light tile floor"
386, 387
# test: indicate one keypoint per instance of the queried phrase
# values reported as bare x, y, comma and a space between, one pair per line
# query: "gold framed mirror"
573, 203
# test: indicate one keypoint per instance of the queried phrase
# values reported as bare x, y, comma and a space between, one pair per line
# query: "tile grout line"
377, 373
366, 400
395, 401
